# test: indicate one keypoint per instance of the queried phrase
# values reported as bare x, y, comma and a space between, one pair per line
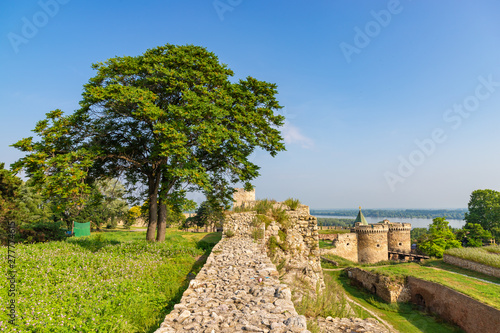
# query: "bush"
281, 217
292, 203
257, 234
41, 232
263, 206
263, 219
229, 233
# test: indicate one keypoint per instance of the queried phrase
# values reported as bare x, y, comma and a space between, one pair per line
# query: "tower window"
378, 245
400, 244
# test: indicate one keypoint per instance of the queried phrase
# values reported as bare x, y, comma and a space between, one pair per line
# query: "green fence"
81, 229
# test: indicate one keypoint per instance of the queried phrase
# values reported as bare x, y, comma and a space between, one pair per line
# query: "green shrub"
282, 235
263, 206
292, 203
229, 233
257, 234
281, 217
272, 245
41, 232
263, 219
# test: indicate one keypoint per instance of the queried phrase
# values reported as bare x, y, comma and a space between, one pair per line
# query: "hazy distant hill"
457, 214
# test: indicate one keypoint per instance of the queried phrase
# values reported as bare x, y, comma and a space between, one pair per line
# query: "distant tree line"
456, 214
338, 222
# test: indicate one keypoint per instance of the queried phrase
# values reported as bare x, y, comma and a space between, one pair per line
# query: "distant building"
371, 243
243, 198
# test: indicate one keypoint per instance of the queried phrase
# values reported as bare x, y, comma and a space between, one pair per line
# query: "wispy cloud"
293, 135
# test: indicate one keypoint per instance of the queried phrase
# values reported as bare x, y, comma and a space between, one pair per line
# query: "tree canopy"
170, 120
439, 238
484, 209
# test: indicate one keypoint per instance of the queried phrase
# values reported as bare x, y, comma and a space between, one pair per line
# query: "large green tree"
9, 193
171, 119
439, 238
484, 209
473, 235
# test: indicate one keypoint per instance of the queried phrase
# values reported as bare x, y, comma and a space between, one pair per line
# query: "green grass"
439, 263
484, 292
333, 231
107, 282
404, 317
484, 255
343, 263
325, 244
292, 203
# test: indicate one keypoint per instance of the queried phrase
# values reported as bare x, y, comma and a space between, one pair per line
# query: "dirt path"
385, 323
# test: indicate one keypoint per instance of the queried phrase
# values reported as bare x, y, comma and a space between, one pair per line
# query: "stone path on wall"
237, 290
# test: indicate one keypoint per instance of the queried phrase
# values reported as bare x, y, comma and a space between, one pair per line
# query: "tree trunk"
153, 208
162, 222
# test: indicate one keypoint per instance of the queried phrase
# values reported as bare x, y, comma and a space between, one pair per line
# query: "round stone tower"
398, 238
372, 242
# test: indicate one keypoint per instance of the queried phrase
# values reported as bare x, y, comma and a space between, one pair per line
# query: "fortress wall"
470, 315
298, 254
398, 237
346, 246
239, 288
242, 197
236, 290
372, 243
382, 286
475, 266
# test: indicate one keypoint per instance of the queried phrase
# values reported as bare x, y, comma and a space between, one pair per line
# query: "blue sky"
389, 104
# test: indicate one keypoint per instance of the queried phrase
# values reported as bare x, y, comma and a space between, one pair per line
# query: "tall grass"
329, 302
483, 255
292, 203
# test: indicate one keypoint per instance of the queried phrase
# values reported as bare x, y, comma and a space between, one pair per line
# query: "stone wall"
485, 269
237, 290
372, 243
242, 197
346, 246
452, 306
398, 237
382, 286
297, 255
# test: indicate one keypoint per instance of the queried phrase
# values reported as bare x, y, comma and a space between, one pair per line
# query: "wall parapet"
472, 265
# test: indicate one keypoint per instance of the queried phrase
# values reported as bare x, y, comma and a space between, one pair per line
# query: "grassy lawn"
404, 317
439, 263
482, 291
111, 281
325, 244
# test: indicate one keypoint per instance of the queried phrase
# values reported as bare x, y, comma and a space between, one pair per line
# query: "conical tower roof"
360, 218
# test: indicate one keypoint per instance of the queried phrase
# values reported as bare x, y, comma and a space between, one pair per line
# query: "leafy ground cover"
404, 317
484, 292
107, 282
488, 255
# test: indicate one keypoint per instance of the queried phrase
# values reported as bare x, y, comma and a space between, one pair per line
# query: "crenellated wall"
398, 237
372, 243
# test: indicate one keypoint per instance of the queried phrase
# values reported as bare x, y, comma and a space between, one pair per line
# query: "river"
415, 223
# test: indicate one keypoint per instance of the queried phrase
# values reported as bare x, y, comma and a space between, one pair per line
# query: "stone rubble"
338, 325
